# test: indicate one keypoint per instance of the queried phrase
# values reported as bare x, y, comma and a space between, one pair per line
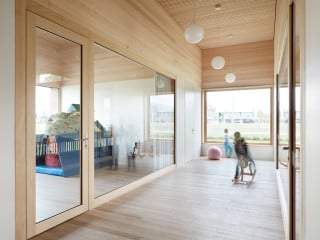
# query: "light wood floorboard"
197, 201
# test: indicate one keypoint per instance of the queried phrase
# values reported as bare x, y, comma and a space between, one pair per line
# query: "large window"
133, 121
247, 111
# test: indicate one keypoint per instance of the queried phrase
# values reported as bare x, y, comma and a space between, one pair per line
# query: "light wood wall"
281, 32
251, 63
140, 30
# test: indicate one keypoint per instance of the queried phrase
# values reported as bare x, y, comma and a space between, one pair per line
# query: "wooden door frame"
34, 228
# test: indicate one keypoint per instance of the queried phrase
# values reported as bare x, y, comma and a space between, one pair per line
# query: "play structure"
58, 149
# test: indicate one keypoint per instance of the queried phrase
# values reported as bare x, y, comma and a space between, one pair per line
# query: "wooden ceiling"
247, 21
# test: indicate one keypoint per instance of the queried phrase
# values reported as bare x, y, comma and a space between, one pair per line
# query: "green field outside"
252, 132
159, 130
259, 133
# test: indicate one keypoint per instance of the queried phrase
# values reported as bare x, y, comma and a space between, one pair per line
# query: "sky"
240, 101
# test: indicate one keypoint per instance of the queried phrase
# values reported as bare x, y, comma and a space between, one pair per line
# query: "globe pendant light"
218, 62
194, 33
230, 77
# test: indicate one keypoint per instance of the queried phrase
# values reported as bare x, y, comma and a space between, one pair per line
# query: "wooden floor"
106, 179
197, 201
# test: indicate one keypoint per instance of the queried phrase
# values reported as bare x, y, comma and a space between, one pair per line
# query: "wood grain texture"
110, 66
20, 121
141, 30
251, 63
33, 22
197, 201
248, 21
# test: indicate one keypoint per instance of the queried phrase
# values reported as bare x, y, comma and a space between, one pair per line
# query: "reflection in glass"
133, 121
57, 124
283, 123
284, 116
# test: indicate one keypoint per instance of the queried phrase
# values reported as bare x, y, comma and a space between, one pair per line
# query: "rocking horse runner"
244, 161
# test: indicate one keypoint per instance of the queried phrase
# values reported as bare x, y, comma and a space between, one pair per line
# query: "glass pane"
247, 111
284, 116
133, 121
283, 122
298, 26
57, 124
297, 163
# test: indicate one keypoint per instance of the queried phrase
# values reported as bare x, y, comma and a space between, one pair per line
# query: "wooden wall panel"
281, 31
119, 68
48, 59
251, 63
57, 56
20, 122
140, 30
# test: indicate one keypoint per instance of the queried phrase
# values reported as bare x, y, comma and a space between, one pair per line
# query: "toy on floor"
246, 169
244, 161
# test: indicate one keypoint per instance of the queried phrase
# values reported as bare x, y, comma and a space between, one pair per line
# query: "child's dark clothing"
241, 149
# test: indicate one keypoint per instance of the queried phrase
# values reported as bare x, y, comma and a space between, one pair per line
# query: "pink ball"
214, 153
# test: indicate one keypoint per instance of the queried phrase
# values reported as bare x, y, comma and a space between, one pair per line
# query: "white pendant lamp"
218, 62
230, 77
194, 33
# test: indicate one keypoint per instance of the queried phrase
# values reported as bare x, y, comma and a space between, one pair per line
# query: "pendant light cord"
230, 58
193, 11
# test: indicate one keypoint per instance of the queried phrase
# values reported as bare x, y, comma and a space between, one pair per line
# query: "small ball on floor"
214, 153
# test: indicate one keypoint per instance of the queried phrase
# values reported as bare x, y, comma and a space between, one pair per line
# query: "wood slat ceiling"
246, 20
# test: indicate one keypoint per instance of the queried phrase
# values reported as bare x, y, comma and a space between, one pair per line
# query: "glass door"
132, 123
296, 128
289, 127
56, 132
283, 131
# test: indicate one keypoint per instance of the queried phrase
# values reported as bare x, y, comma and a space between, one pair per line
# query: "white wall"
180, 125
192, 120
7, 120
311, 143
69, 95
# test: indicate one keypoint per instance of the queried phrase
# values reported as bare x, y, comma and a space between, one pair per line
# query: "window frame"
204, 112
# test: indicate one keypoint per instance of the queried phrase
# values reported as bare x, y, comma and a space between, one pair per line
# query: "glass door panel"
57, 124
297, 163
283, 121
133, 121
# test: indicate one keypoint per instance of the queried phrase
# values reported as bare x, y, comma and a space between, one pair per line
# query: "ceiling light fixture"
230, 76
218, 62
194, 33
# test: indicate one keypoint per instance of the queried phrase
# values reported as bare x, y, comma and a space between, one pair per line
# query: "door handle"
85, 141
